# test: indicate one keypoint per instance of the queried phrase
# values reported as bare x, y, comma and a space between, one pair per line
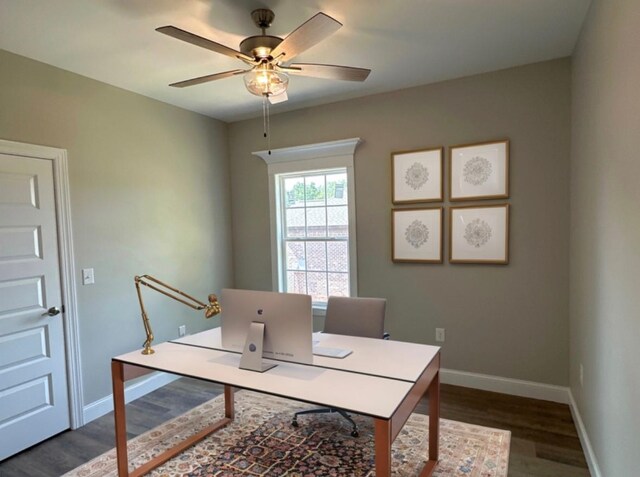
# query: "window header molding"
342, 147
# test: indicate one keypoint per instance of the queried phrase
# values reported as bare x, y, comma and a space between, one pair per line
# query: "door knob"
53, 311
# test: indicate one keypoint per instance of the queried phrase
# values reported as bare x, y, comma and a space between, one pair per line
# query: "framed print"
479, 171
417, 235
417, 176
479, 234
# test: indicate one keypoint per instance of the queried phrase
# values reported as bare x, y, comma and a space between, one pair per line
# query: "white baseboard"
513, 387
592, 462
138, 389
530, 389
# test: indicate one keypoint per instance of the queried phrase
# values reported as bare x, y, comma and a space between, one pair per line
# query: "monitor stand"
252, 355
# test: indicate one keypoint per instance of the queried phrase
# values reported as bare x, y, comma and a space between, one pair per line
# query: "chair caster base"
354, 432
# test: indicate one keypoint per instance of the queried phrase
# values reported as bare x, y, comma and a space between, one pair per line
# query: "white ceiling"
404, 42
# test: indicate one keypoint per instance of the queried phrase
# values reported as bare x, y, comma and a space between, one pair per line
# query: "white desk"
386, 358
381, 379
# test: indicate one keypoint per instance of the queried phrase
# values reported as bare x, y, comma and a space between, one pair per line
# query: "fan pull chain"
265, 120
268, 128
264, 115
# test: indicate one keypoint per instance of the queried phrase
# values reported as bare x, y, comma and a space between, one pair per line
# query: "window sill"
320, 310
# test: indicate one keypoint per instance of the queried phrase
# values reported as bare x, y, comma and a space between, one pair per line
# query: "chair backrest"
355, 316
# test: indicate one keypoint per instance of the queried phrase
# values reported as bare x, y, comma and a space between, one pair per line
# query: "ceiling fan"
268, 56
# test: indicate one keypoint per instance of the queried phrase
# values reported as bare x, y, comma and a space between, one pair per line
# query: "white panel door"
34, 403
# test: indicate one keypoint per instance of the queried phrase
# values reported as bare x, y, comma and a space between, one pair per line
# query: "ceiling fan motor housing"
265, 54
259, 46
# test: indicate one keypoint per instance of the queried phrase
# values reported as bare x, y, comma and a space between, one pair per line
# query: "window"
314, 211
313, 219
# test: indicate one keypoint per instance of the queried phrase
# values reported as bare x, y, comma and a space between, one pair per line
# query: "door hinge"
62, 308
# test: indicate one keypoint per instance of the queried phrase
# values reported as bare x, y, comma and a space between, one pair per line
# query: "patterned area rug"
262, 442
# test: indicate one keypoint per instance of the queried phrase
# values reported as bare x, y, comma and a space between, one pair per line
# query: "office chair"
362, 317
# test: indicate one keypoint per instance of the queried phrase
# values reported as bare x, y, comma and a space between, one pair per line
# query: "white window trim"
310, 157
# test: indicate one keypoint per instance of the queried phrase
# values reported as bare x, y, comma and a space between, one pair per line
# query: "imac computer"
267, 324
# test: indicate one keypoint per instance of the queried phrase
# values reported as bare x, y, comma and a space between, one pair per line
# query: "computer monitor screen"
287, 317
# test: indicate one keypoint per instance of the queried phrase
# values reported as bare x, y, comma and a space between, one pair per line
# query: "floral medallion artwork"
416, 176
477, 233
477, 170
417, 234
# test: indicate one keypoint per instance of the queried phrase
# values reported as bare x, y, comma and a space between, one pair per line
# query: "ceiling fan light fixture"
265, 81
265, 53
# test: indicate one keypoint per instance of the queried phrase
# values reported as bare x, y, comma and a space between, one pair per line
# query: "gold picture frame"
417, 176
417, 235
479, 171
479, 234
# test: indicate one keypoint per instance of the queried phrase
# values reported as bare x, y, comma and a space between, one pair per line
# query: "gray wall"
605, 233
508, 321
149, 194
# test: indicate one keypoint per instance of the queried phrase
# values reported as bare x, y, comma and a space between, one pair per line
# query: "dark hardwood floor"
544, 442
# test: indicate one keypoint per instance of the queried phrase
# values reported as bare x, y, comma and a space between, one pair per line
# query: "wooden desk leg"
434, 417
229, 403
383, 447
433, 392
117, 378
121, 372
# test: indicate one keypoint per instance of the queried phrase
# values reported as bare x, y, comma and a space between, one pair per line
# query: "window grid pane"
338, 284
296, 257
295, 223
337, 189
317, 256
317, 286
293, 188
337, 256
316, 222
297, 282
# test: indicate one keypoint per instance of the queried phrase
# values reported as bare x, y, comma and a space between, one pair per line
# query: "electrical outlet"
87, 276
581, 375
182, 330
440, 335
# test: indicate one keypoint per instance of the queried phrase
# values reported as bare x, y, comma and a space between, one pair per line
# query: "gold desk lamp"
212, 309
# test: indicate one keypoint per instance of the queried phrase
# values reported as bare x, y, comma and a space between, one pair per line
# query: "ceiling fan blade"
347, 73
281, 98
207, 78
314, 30
203, 42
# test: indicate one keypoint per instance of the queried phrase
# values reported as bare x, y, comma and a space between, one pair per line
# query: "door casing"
67, 274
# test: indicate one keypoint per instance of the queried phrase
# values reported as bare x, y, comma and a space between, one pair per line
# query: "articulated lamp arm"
212, 309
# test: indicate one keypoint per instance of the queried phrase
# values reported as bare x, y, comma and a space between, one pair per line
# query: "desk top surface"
373, 380
361, 393
376, 357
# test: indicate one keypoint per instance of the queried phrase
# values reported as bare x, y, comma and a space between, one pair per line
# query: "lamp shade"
263, 81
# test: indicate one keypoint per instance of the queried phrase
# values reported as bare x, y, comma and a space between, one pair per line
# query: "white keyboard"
331, 352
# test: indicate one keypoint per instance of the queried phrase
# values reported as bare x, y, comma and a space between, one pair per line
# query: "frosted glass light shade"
266, 82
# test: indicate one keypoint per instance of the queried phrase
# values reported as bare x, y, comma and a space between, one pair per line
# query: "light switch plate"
87, 276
